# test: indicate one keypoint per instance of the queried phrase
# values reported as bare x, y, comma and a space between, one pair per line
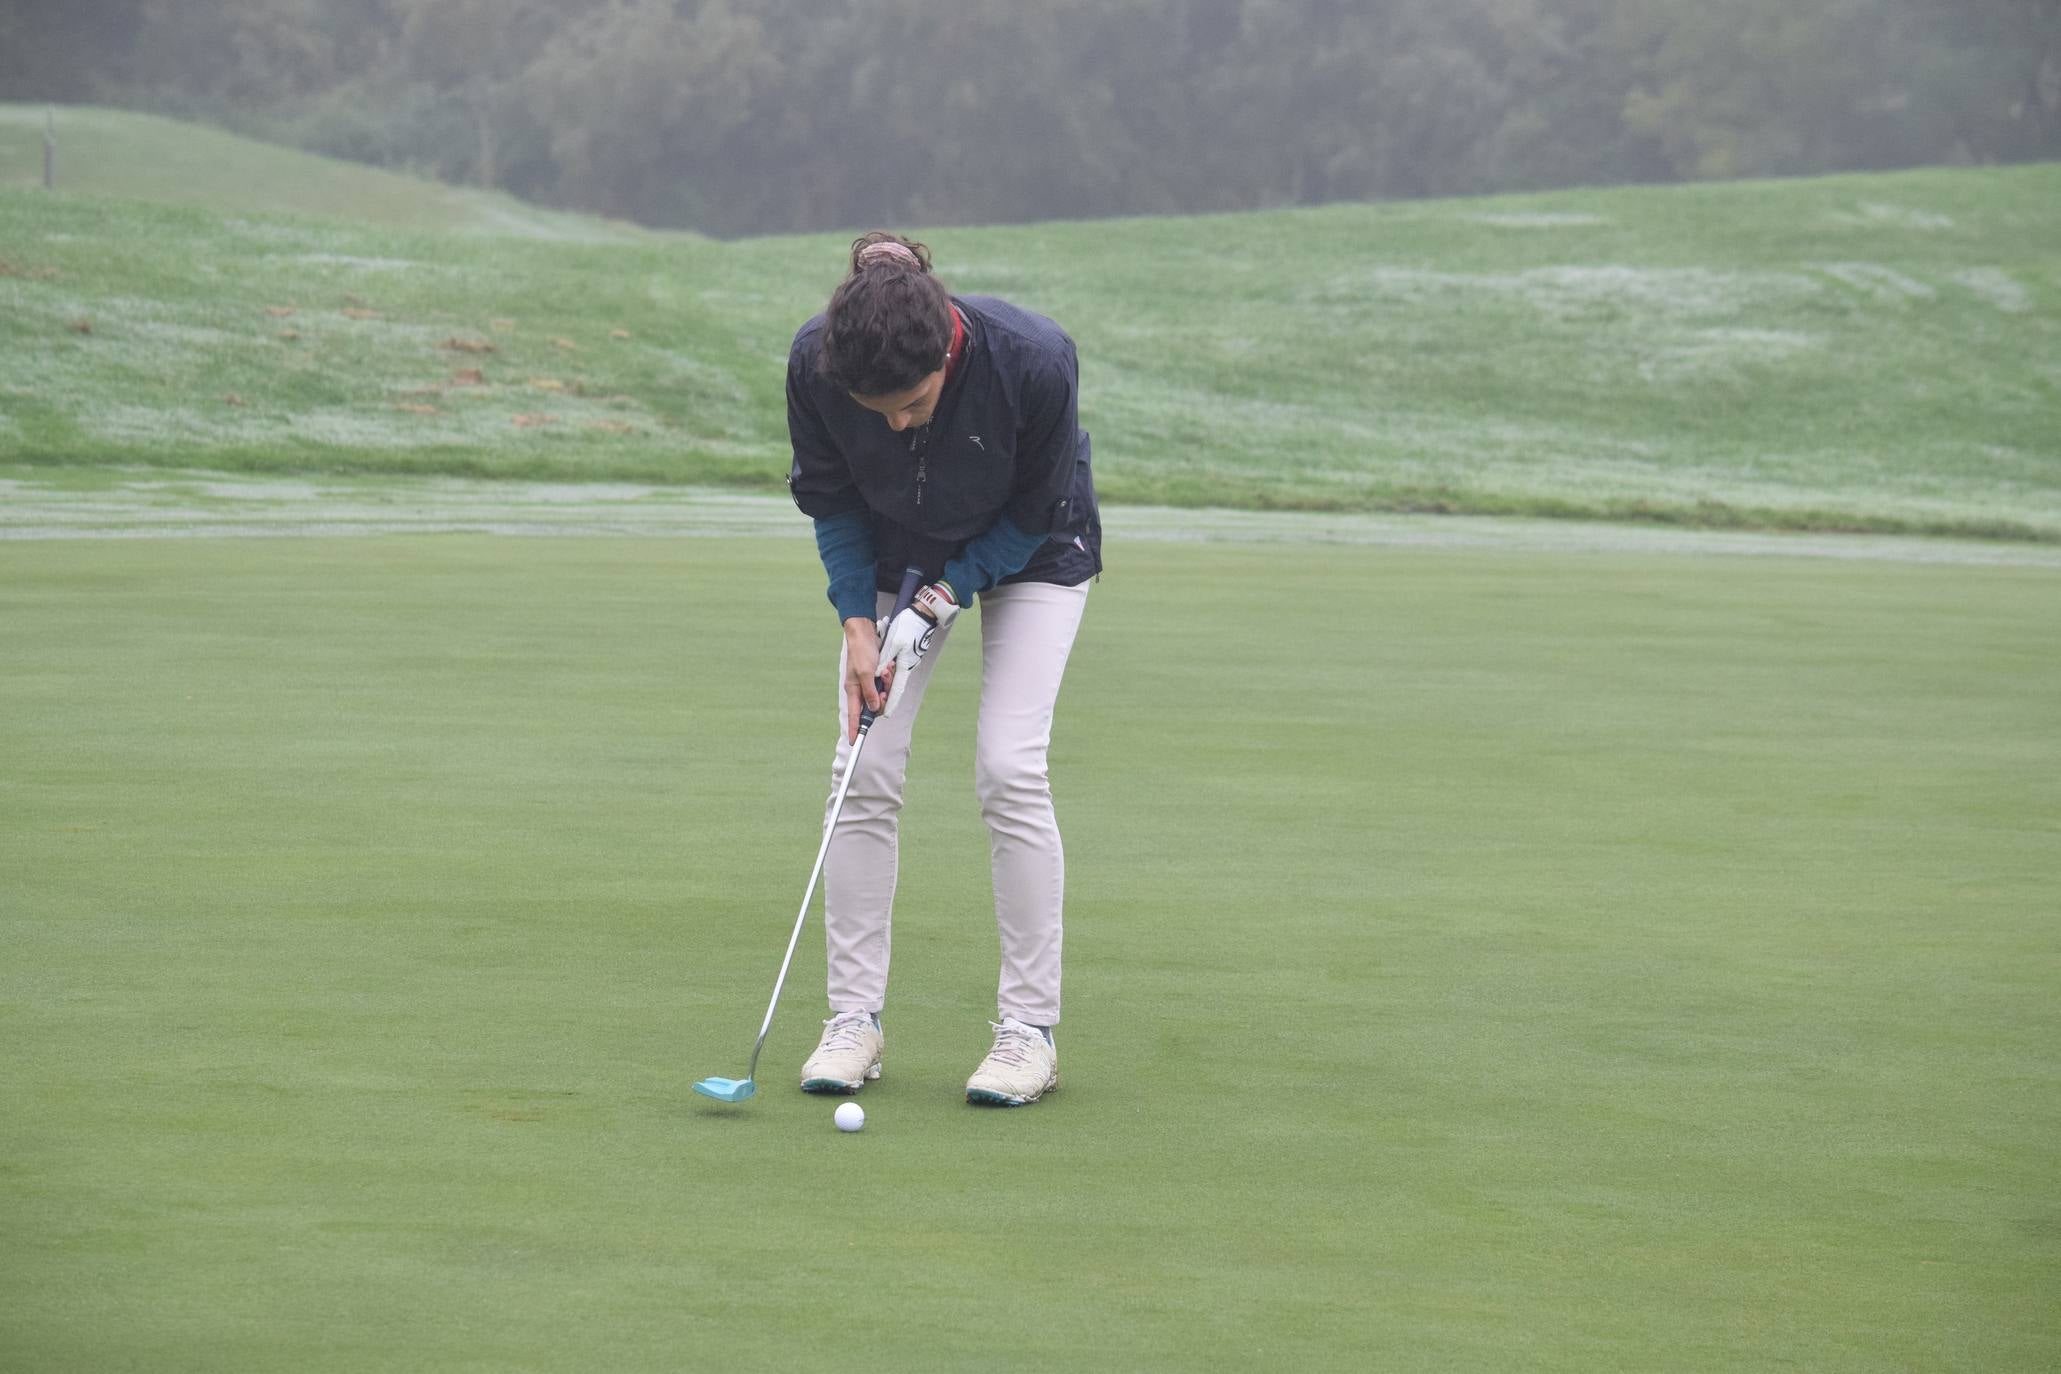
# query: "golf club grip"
912, 578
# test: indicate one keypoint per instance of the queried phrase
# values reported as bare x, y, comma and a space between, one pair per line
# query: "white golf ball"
849, 1116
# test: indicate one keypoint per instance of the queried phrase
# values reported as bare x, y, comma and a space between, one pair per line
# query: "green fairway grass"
1842, 353
1477, 960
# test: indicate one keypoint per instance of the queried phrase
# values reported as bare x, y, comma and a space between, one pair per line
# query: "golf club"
738, 1089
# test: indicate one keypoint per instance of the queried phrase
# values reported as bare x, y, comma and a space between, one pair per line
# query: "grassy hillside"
1869, 352
142, 157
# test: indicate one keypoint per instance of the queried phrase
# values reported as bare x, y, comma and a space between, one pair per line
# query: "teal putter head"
726, 1089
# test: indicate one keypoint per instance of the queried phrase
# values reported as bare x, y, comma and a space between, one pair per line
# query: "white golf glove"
906, 638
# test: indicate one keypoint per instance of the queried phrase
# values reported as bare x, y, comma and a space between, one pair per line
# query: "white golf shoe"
846, 1056
1022, 1067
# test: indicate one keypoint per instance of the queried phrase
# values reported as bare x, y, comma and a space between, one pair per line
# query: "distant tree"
983, 112
652, 111
1761, 87
472, 53
740, 116
1161, 62
63, 49
1992, 76
234, 54
1333, 100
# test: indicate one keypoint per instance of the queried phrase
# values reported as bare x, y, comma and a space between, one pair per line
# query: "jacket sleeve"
845, 544
1047, 446
819, 480
997, 552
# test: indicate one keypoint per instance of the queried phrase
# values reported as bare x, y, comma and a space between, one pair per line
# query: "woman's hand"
861, 665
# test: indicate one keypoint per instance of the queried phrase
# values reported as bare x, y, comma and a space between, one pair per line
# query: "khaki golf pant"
1026, 632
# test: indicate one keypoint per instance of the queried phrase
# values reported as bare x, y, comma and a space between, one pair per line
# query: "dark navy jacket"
1005, 439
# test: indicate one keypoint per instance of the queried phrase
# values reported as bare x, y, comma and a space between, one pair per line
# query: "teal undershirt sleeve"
845, 543
993, 554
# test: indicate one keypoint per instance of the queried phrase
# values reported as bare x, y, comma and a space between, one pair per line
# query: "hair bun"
882, 249
889, 322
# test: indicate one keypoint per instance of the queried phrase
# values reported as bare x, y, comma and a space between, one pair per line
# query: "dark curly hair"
889, 322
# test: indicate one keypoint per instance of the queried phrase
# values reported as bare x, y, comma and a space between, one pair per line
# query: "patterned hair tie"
888, 251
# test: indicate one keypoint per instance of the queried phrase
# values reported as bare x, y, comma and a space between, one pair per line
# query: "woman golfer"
939, 432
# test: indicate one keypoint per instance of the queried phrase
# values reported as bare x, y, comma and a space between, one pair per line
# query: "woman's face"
909, 409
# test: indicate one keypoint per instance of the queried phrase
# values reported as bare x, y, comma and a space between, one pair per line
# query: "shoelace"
1012, 1046
843, 1030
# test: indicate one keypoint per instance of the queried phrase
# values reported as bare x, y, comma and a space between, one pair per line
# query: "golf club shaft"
911, 579
851, 767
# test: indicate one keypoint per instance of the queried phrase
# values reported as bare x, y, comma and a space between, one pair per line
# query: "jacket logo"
974, 439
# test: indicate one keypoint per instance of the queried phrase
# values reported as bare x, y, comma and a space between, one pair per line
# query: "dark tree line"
746, 116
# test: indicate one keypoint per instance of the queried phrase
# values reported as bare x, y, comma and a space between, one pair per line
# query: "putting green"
1477, 960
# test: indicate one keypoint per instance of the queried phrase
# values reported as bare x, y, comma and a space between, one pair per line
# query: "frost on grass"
1997, 288
133, 424
289, 490
1875, 214
280, 235
358, 263
716, 390
181, 336
330, 427
1903, 216
1879, 283
1568, 291
1539, 220
1714, 354
129, 310
494, 216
